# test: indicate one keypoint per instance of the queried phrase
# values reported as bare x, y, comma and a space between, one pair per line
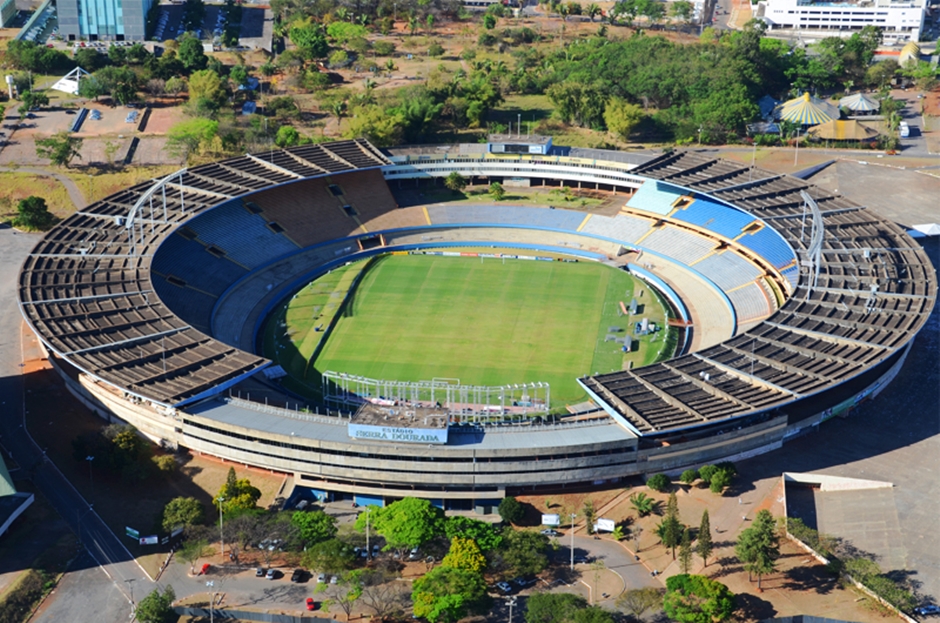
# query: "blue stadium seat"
723, 220
622, 227
770, 245
727, 270
682, 246
190, 261
193, 306
749, 303
245, 237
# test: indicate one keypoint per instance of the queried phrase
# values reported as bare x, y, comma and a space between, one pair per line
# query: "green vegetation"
157, 607
404, 524
511, 510
758, 546
659, 482
703, 545
697, 599
33, 214
483, 321
643, 504
563, 608
59, 148
237, 495
182, 512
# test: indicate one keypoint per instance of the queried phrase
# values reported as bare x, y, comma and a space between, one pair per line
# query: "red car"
311, 604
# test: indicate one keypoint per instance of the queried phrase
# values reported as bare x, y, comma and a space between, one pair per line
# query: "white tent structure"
928, 229
69, 82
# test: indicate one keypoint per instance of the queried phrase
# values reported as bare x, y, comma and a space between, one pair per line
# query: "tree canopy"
237, 494
407, 523
157, 607
524, 552
32, 213
181, 512
697, 599
314, 526
758, 546
448, 594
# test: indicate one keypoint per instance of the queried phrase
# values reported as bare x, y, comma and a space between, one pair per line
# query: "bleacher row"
87, 287
817, 339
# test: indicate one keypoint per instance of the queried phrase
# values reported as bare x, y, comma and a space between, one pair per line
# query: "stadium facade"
150, 303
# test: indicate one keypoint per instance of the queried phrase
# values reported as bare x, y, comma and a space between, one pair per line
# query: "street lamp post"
368, 551
512, 602
130, 585
796, 153
211, 585
91, 478
573, 515
221, 533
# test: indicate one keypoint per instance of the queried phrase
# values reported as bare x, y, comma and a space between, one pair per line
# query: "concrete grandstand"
150, 301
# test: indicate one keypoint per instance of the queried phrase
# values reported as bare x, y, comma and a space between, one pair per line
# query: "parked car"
259, 572
375, 550
321, 578
413, 555
311, 604
550, 532
504, 587
523, 582
334, 579
271, 574
931, 609
298, 575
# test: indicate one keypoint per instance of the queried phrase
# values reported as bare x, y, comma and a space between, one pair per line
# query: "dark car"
299, 575
931, 609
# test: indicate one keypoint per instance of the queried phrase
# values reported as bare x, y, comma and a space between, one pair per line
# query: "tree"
189, 136
435, 50
448, 594
194, 13
314, 526
455, 182
658, 482
310, 38
59, 148
404, 524
239, 75
622, 117
190, 53
287, 136
32, 213
643, 504
192, 550
524, 552
331, 556
637, 601
685, 552
175, 86
181, 512
381, 593
682, 10
489, 21
465, 554
590, 514
689, 476
719, 481
670, 529
236, 494
483, 533
32, 100
697, 599
90, 87
881, 74
497, 192
510, 509
117, 55
157, 607
553, 607
593, 10
703, 542
345, 592
758, 546
206, 90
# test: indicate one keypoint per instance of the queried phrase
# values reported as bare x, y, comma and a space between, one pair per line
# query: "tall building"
112, 20
899, 20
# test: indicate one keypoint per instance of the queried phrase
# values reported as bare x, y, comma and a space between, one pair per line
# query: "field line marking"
584, 222
427, 217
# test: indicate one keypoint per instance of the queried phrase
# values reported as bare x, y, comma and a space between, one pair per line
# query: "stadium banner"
551, 520
366, 432
606, 525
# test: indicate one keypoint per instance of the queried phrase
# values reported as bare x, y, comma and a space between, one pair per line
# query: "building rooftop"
401, 415
531, 139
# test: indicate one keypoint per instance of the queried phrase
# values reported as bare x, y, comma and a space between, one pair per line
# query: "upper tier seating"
768, 244
723, 220
308, 211
506, 215
727, 270
193, 306
622, 227
655, 197
682, 246
245, 237
190, 261
750, 303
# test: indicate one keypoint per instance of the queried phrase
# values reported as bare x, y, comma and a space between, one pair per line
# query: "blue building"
109, 20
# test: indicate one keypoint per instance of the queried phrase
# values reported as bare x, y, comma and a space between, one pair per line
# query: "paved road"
74, 193
100, 542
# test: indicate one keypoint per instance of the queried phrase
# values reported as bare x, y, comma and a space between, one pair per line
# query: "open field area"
484, 321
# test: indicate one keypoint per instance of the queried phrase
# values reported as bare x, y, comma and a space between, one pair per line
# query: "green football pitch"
483, 321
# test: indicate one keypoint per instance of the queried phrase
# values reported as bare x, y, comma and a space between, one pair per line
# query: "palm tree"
430, 22
413, 25
338, 108
643, 504
593, 10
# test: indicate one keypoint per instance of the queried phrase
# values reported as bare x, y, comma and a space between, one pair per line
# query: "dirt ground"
800, 585
55, 419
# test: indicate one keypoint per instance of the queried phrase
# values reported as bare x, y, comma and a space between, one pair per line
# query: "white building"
900, 20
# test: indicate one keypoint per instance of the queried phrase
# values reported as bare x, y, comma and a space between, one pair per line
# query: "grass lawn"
486, 322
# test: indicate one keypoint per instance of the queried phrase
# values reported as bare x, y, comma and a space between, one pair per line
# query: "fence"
243, 615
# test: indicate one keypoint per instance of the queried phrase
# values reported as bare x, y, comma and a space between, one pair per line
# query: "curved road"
99, 541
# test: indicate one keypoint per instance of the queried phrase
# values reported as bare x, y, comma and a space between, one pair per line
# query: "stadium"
789, 304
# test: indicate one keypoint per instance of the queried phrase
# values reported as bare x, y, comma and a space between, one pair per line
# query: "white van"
904, 130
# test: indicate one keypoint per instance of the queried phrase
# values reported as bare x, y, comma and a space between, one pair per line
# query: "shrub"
689, 476
383, 48
658, 482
